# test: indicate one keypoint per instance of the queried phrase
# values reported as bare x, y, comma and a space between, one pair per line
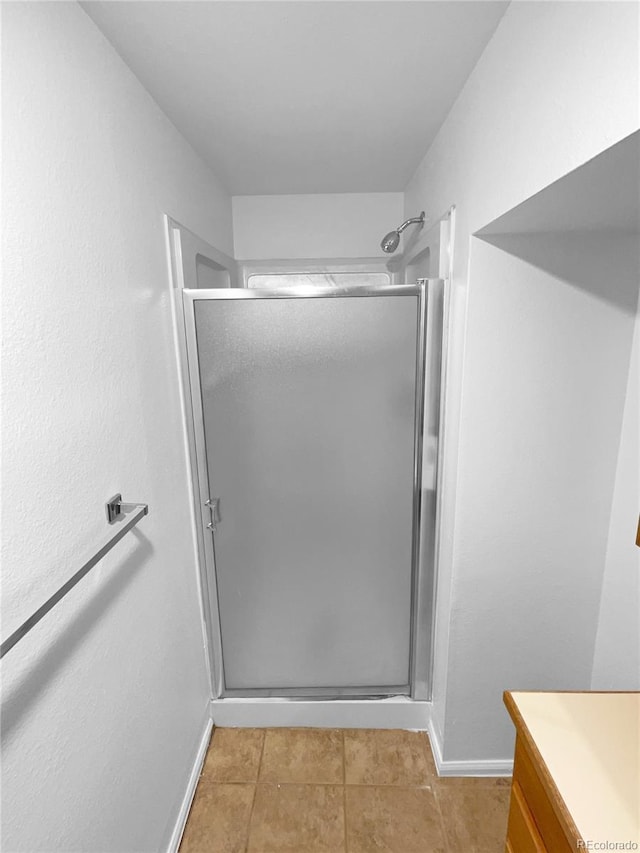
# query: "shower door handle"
214, 506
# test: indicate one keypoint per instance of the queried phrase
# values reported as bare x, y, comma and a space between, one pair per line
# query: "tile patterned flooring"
338, 791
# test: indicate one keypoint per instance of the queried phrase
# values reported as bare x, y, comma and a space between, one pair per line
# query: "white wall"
556, 85
544, 395
104, 702
616, 664
347, 225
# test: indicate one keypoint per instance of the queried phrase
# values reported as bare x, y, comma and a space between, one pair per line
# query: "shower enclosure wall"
315, 515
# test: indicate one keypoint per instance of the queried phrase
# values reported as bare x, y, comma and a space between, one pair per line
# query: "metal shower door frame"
421, 627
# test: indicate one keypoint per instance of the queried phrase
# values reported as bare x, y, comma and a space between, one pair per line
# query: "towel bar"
115, 509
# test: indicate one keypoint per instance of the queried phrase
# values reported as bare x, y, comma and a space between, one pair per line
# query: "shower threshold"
379, 712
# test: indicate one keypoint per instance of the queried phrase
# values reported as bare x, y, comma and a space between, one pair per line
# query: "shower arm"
414, 220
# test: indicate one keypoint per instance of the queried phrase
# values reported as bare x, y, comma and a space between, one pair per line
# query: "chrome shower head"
391, 241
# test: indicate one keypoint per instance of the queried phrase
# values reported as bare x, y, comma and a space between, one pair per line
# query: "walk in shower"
317, 531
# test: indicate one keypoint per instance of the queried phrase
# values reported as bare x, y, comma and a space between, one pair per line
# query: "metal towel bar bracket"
115, 509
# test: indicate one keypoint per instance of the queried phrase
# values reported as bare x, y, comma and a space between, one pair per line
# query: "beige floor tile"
219, 819
474, 814
297, 819
303, 755
234, 755
394, 820
387, 757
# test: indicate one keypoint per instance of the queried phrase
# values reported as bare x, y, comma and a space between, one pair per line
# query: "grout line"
428, 753
255, 791
264, 739
450, 782
443, 827
428, 786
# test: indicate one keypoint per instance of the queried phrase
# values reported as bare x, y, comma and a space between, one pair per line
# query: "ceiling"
304, 96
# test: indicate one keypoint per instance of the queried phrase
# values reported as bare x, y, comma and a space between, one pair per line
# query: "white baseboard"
397, 712
499, 767
183, 814
435, 741
476, 768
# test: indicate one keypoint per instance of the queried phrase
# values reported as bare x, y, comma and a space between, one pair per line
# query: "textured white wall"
347, 225
104, 702
616, 664
556, 85
544, 395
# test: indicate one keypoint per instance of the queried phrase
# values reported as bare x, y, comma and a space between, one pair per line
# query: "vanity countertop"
590, 745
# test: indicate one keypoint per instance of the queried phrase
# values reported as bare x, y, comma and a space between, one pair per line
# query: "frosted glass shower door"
309, 412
